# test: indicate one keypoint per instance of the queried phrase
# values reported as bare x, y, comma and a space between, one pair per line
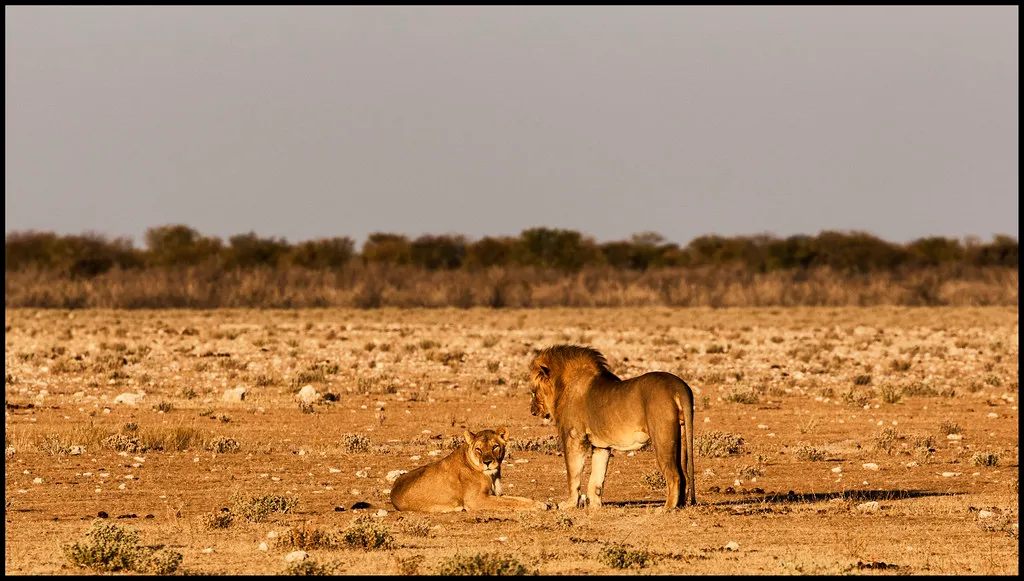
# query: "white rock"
993, 415
208, 550
296, 556
732, 546
912, 464
272, 535
334, 470
394, 474
837, 469
870, 466
129, 399
948, 474
871, 506
414, 458
37, 481
307, 394
77, 450
263, 547
361, 474
380, 513
954, 437
237, 394
762, 427
986, 514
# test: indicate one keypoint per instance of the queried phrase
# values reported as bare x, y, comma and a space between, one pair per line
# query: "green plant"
483, 564
619, 557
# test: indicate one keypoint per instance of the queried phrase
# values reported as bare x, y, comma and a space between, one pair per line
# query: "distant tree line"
88, 255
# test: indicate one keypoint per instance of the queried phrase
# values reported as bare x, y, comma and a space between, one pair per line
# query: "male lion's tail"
684, 403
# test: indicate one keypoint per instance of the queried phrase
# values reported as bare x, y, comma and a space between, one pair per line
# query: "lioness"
467, 479
596, 412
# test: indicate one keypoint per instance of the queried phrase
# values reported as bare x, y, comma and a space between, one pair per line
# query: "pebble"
870, 466
732, 546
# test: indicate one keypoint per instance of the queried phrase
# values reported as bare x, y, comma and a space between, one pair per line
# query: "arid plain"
829, 440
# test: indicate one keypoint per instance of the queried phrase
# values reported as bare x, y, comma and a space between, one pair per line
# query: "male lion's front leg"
575, 455
598, 469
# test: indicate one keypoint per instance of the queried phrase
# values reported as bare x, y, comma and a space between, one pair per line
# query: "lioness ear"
502, 432
545, 371
469, 437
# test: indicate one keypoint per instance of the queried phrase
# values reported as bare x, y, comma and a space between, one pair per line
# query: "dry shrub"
746, 395
717, 444
885, 441
258, 508
311, 567
367, 534
653, 480
109, 547
808, 453
482, 564
620, 557
307, 539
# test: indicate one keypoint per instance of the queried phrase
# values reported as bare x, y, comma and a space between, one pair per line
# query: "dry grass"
766, 474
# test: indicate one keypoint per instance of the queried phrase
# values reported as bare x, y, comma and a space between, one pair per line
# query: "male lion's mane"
572, 368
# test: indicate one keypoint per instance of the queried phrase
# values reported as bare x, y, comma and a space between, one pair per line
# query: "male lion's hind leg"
598, 470
667, 450
574, 459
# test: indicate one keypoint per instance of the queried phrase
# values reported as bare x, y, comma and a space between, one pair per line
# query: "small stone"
870, 466
732, 546
334, 470
912, 464
208, 550
307, 394
986, 514
128, 399
954, 437
948, 474
37, 481
871, 506
993, 415
237, 394
837, 469
263, 547
272, 535
380, 513
77, 450
361, 474
394, 474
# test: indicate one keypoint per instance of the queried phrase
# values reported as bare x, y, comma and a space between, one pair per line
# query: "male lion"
596, 412
467, 479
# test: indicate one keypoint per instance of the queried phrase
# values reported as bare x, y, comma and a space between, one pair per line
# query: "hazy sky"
322, 121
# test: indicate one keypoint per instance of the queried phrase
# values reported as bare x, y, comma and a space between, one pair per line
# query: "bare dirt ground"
874, 440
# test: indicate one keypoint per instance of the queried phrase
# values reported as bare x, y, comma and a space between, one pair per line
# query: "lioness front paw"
543, 506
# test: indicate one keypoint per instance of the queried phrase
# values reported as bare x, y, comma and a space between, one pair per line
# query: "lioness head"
486, 449
543, 391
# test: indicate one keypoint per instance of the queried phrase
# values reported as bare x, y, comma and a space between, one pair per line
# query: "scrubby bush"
620, 557
109, 547
717, 444
483, 564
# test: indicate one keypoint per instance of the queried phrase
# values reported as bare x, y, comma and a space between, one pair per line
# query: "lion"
597, 412
467, 479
